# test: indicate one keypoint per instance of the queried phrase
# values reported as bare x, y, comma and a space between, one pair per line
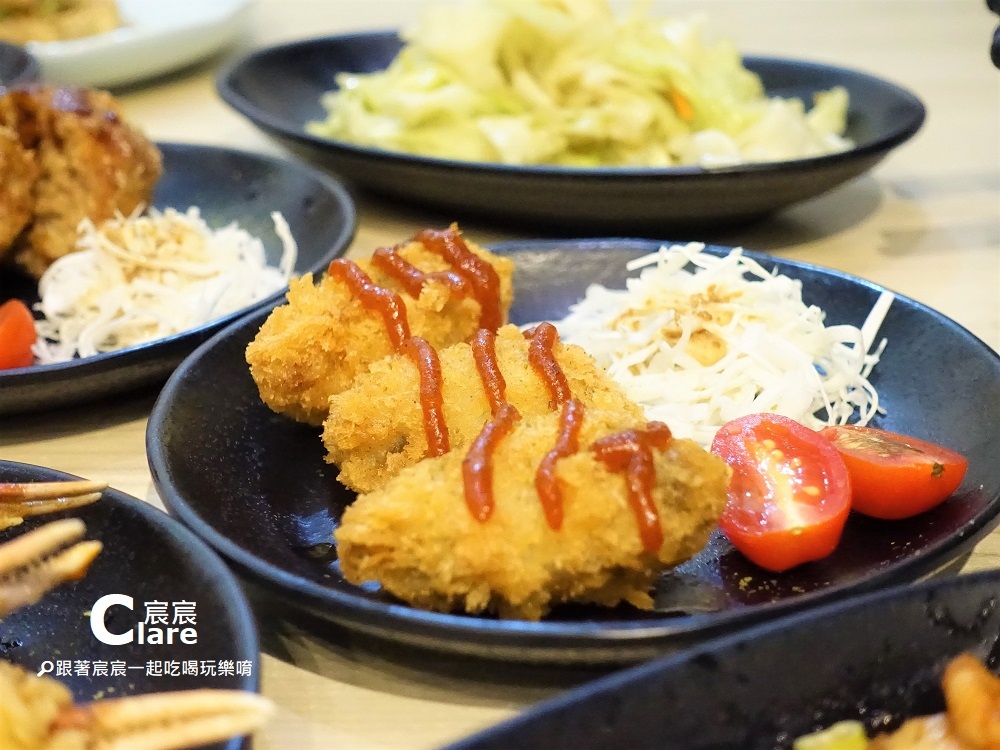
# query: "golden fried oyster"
377, 427
314, 346
18, 173
427, 538
88, 162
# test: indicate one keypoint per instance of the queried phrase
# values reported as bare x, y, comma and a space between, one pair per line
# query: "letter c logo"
100, 610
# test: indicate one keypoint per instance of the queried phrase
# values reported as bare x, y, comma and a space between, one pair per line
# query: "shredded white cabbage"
139, 278
698, 348
571, 83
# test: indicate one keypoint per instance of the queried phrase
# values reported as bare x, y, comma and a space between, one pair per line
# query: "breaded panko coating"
418, 539
314, 346
18, 172
376, 427
89, 163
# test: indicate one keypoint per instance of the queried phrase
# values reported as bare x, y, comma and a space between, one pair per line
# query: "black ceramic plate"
279, 89
254, 484
227, 185
150, 557
875, 659
17, 67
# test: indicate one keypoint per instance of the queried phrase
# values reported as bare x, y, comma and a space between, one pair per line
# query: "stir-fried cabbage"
568, 82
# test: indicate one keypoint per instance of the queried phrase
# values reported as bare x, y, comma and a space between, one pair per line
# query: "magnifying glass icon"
47, 667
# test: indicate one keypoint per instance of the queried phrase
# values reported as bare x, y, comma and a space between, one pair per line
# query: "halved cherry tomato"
789, 496
895, 476
17, 334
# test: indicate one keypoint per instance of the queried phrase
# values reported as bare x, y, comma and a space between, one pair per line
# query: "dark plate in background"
17, 66
254, 485
279, 88
227, 185
148, 556
875, 659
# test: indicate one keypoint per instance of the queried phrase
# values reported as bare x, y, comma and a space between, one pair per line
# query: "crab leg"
38, 713
18, 501
36, 562
166, 721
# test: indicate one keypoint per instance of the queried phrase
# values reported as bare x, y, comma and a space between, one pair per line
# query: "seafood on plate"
66, 154
504, 471
20, 500
378, 426
580, 505
39, 713
436, 286
36, 562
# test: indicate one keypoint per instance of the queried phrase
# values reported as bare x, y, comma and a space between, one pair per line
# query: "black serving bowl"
876, 659
279, 88
17, 66
255, 486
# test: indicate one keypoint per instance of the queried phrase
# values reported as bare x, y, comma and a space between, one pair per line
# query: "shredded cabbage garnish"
567, 82
698, 348
138, 278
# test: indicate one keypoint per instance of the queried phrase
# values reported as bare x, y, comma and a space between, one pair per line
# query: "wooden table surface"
925, 222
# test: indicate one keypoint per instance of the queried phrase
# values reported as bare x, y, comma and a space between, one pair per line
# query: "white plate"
158, 36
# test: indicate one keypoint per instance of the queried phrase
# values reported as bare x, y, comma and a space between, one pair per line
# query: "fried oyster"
417, 537
314, 346
376, 427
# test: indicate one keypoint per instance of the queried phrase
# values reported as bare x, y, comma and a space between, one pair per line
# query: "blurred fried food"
18, 172
376, 427
38, 713
417, 537
313, 347
972, 718
90, 163
23, 21
972, 695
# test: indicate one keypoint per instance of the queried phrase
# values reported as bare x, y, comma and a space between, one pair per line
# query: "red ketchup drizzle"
482, 277
568, 443
477, 466
631, 451
543, 337
411, 278
378, 299
484, 354
431, 398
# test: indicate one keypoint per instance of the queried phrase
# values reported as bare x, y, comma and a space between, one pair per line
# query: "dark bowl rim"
138, 353
29, 69
724, 644
544, 634
246, 634
902, 132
